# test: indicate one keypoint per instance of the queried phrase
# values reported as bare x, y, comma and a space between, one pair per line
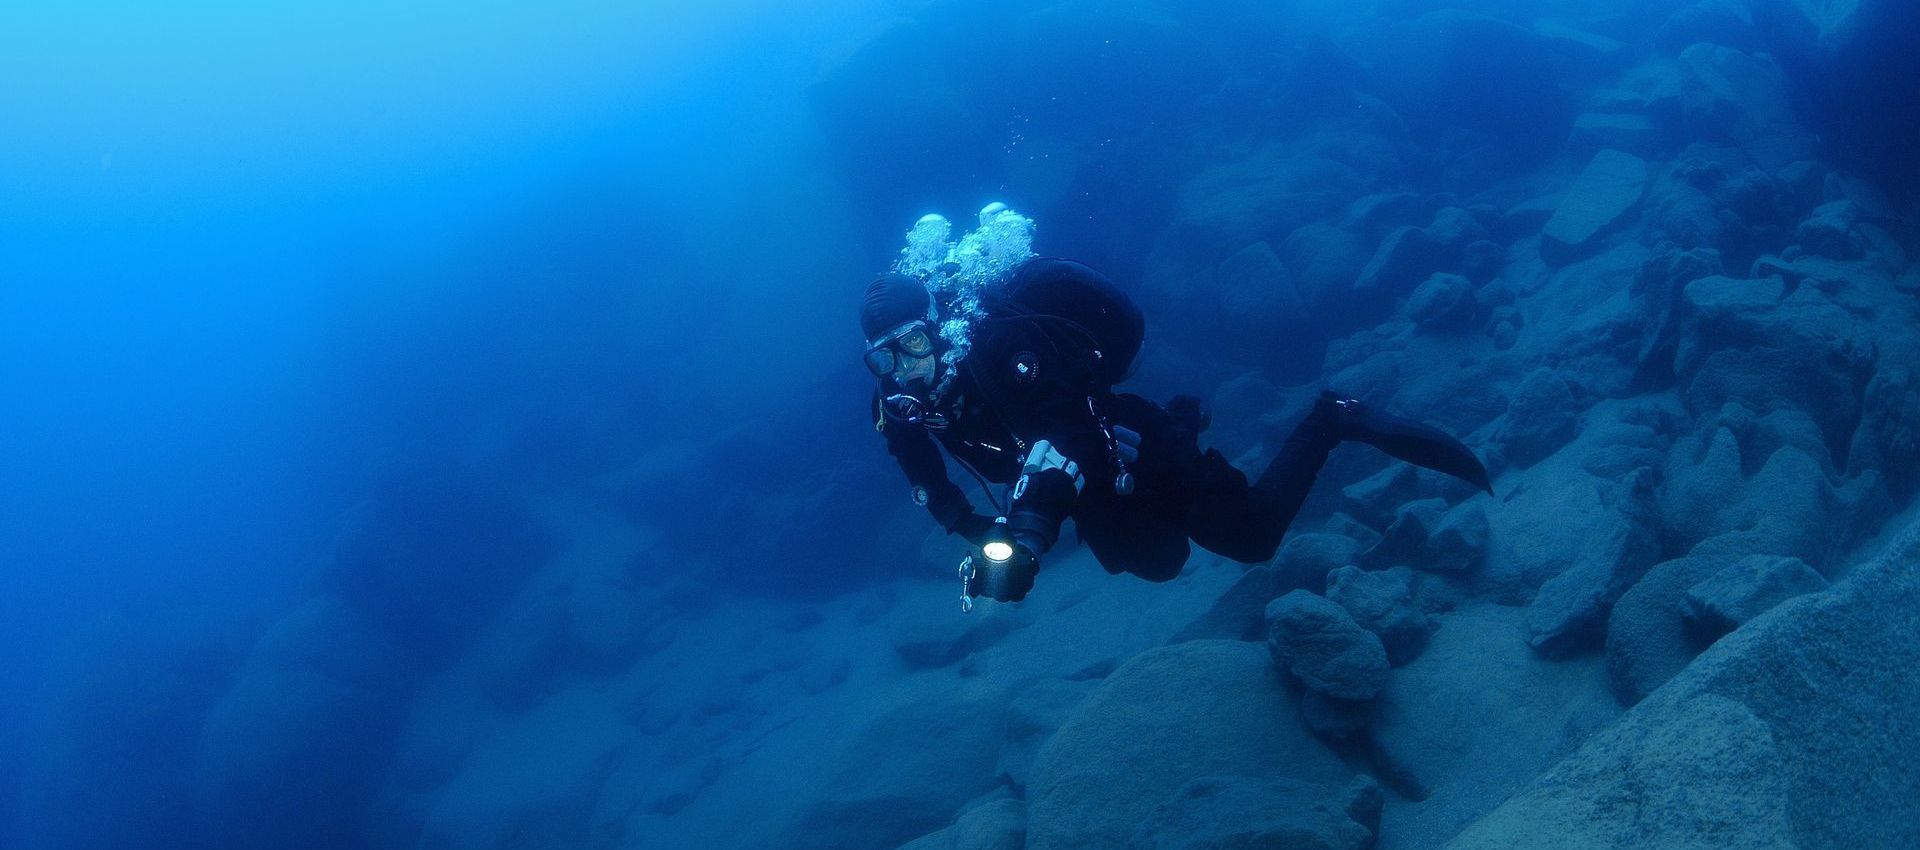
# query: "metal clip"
966, 581
1123, 480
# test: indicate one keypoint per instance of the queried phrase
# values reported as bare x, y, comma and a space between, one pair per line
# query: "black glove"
1004, 581
972, 528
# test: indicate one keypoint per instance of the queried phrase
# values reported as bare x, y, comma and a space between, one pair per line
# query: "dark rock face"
1746, 589
1319, 642
1739, 750
1239, 811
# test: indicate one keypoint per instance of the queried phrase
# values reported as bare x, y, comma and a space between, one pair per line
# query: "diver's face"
906, 355
916, 373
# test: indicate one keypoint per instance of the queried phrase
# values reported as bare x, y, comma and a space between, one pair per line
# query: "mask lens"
916, 342
880, 362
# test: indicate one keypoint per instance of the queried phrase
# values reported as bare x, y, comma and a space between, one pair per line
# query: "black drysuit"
1025, 380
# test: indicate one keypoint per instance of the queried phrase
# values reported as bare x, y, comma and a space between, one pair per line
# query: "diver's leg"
1245, 522
1134, 541
1420, 445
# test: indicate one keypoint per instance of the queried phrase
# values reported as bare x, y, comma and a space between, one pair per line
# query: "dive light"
998, 543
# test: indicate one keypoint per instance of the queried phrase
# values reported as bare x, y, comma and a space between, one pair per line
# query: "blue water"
326, 327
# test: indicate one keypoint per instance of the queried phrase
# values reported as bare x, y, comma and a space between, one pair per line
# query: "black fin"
1421, 445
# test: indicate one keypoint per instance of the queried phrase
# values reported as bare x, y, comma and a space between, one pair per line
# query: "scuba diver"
1014, 379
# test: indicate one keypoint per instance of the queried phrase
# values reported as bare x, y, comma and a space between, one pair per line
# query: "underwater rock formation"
1739, 749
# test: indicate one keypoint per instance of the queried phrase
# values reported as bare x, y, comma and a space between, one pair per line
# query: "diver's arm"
926, 471
1043, 497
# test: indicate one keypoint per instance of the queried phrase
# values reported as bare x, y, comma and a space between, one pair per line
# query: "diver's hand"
1004, 581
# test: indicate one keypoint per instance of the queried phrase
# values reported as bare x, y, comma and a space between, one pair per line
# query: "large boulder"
1319, 643
901, 766
1165, 718
1427, 536
999, 825
1786, 506
1540, 419
1742, 99
1385, 602
291, 753
1403, 259
928, 638
1570, 612
533, 783
1606, 190
1802, 729
1220, 812
1745, 589
1476, 717
1648, 641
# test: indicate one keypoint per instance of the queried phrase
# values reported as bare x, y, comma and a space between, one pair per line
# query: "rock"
1458, 68
1256, 294
1240, 612
1305, 559
896, 767
1454, 228
1634, 134
1384, 602
535, 781
1378, 498
1406, 538
1033, 715
1216, 812
1829, 232
1744, 590
1743, 343
305, 729
1742, 99
1444, 301
1167, 717
1480, 261
1319, 642
1647, 639
1888, 438
1334, 718
1540, 419
1570, 612
1728, 22
1796, 731
999, 825
1459, 543
1606, 190
1427, 536
937, 639
1376, 213
1406, 257
1474, 719
602, 621
1324, 260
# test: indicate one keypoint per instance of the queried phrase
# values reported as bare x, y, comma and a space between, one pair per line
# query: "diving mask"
911, 339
